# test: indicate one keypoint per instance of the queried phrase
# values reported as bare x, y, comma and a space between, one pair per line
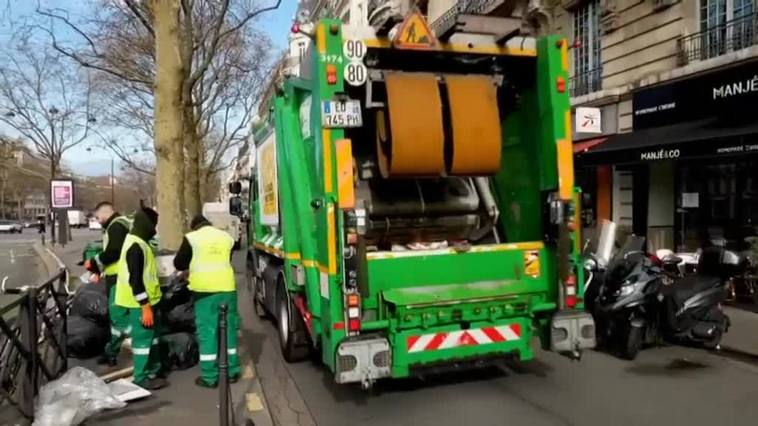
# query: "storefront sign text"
661, 154
728, 94
736, 88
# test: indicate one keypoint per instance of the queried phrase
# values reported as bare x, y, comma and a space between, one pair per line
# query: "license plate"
341, 114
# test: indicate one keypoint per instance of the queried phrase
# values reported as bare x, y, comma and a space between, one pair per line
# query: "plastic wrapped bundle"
76, 396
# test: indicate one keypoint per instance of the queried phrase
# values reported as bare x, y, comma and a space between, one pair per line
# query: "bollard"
223, 368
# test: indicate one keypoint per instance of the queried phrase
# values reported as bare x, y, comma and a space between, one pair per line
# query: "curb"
51, 261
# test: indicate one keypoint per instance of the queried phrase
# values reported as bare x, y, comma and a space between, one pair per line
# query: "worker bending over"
106, 264
206, 252
139, 291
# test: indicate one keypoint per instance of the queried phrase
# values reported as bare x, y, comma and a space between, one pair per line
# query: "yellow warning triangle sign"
414, 33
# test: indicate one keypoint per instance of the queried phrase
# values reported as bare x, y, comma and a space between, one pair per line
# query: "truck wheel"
290, 325
260, 310
633, 343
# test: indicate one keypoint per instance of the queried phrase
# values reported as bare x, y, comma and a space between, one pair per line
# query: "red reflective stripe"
493, 334
467, 340
412, 341
516, 327
436, 342
339, 326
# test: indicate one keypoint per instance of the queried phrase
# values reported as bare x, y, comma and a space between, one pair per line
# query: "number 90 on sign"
354, 50
355, 74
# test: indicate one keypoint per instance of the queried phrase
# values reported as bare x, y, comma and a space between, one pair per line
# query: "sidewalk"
743, 334
183, 403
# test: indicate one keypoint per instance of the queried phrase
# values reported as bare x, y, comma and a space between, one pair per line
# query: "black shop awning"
704, 138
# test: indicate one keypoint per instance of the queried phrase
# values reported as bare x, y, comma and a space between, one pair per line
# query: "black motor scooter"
626, 299
691, 309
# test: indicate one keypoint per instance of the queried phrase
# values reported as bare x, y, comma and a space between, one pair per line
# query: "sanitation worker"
139, 292
206, 253
106, 264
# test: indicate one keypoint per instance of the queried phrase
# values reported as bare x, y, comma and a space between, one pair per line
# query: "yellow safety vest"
124, 295
210, 269
112, 269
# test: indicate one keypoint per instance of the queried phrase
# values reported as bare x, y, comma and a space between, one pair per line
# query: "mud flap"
572, 332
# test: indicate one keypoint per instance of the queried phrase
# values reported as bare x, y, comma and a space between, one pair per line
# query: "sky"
96, 162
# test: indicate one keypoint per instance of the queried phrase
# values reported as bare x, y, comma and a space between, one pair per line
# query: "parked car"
10, 227
94, 224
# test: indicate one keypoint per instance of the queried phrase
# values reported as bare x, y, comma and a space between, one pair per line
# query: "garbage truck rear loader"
412, 205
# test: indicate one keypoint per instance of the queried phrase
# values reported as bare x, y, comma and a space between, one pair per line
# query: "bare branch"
138, 14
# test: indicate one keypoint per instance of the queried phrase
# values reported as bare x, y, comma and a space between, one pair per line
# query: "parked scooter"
632, 306
691, 310
626, 306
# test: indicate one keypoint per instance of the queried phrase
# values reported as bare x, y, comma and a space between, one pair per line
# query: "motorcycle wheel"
714, 341
633, 343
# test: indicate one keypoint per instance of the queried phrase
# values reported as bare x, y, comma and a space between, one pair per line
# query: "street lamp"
113, 198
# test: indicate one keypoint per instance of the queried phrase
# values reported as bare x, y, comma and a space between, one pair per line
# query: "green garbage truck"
412, 203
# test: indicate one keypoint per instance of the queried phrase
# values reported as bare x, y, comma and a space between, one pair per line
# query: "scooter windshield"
626, 259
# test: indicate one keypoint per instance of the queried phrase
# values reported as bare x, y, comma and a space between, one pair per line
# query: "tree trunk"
4, 177
192, 185
169, 123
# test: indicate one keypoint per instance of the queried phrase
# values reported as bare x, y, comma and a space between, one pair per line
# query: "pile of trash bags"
70, 400
89, 325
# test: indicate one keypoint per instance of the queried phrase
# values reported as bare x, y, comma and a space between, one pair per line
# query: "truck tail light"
561, 85
354, 324
331, 74
353, 302
571, 291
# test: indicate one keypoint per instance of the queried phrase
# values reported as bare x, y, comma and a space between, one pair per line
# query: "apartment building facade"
672, 85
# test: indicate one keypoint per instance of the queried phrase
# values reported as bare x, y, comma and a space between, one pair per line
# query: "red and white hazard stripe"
458, 338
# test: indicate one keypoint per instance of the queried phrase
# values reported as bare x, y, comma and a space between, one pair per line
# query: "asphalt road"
664, 386
18, 260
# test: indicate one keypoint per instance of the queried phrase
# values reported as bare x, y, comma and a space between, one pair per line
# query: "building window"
726, 25
587, 66
301, 46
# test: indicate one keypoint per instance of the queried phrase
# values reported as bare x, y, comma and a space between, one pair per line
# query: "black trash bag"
91, 302
180, 318
85, 338
182, 349
175, 293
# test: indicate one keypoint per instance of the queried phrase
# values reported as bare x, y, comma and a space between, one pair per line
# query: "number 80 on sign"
355, 73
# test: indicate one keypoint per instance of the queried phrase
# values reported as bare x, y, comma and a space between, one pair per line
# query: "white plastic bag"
76, 396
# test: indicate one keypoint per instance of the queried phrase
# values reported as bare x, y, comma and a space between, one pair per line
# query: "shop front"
686, 175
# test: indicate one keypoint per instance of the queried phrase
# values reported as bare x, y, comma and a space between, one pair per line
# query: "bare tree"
223, 65
45, 102
21, 175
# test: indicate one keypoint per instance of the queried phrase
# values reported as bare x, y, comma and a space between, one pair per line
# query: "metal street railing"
32, 343
587, 82
720, 39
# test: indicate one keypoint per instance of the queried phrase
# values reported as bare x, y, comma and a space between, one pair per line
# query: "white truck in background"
218, 214
77, 219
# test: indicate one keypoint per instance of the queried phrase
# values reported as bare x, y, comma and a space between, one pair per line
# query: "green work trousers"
207, 309
119, 317
148, 354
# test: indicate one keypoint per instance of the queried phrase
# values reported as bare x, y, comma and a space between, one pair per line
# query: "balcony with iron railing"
718, 40
586, 82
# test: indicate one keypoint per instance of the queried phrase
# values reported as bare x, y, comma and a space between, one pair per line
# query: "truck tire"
290, 326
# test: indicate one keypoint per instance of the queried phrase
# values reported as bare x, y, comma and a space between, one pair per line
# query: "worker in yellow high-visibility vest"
206, 252
138, 290
115, 229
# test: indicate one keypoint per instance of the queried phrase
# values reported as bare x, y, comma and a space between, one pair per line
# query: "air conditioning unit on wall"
659, 5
